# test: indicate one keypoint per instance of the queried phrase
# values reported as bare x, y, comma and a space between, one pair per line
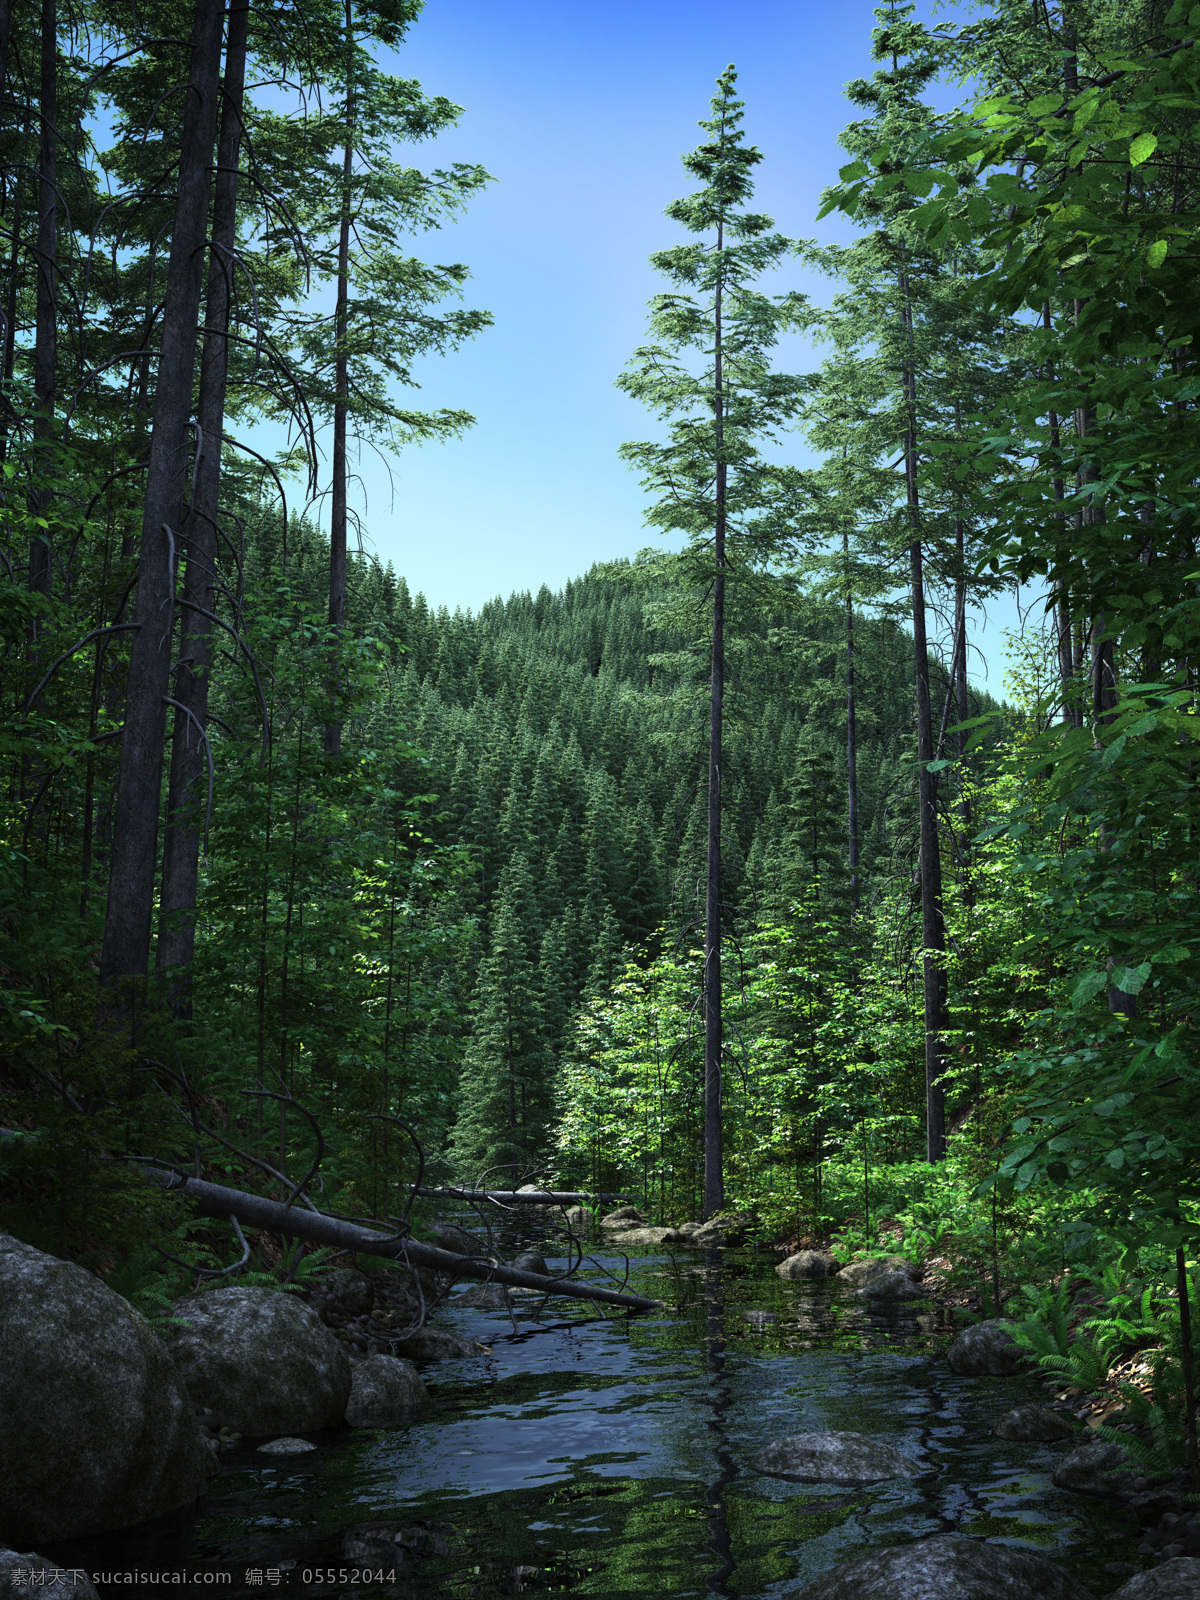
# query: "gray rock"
24, 1574
354, 1289
945, 1568
262, 1360
481, 1297
96, 1430
861, 1274
1178, 1579
447, 1237
580, 1219
530, 1261
834, 1458
286, 1447
727, 1229
385, 1389
623, 1217
890, 1284
434, 1344
1093, 1468
987, 1350
648, 1236
1034, 1425
807, 1264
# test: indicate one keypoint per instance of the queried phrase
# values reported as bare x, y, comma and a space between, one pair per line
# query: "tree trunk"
933, 933
45, 353
714, 1169
130, 912
294, 1221
338, 517
186, 804
851, 737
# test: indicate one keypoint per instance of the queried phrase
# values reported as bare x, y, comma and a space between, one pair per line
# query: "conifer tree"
710, 481
505, 1099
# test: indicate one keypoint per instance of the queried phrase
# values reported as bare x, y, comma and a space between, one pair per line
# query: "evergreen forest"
712, 880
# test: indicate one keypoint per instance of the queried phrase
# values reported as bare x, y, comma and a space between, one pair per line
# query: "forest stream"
610, 1456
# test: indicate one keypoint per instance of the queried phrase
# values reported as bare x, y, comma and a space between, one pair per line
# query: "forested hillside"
710, 880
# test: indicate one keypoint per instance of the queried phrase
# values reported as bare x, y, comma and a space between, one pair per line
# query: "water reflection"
719, 1541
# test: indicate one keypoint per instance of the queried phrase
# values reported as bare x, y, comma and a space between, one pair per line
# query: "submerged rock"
385, 1389
97, 1431
834, 1458
945, 1568
434, 1344
23, 1574
262, 1360
480, 1296
1174, 1580
1034, 1425
1094, 1468
987, 1350
448, 1237
807, 1264
286, 1447
530, 1261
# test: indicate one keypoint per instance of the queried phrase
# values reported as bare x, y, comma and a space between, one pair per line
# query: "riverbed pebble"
285, 1447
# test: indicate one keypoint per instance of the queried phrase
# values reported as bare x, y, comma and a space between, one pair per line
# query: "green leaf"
1088, 987
1157, 253
1131, 980
1142, 148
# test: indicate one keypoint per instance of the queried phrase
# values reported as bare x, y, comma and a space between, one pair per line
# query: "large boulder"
988, 1350
647, 1236
1174, 1580
1097, 1467
834, 1458
96, 1430
262, 1360
1034, 1425
807, 1264
22, 1575
945, 1568
384, 1389
580, 1220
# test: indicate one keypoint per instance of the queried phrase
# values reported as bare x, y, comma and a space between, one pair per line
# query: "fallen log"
251, 1210
521, 1197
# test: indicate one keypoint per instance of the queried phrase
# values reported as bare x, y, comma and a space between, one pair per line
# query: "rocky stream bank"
108, 1426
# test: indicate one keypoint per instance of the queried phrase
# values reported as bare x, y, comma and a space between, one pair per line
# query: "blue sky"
581, 112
